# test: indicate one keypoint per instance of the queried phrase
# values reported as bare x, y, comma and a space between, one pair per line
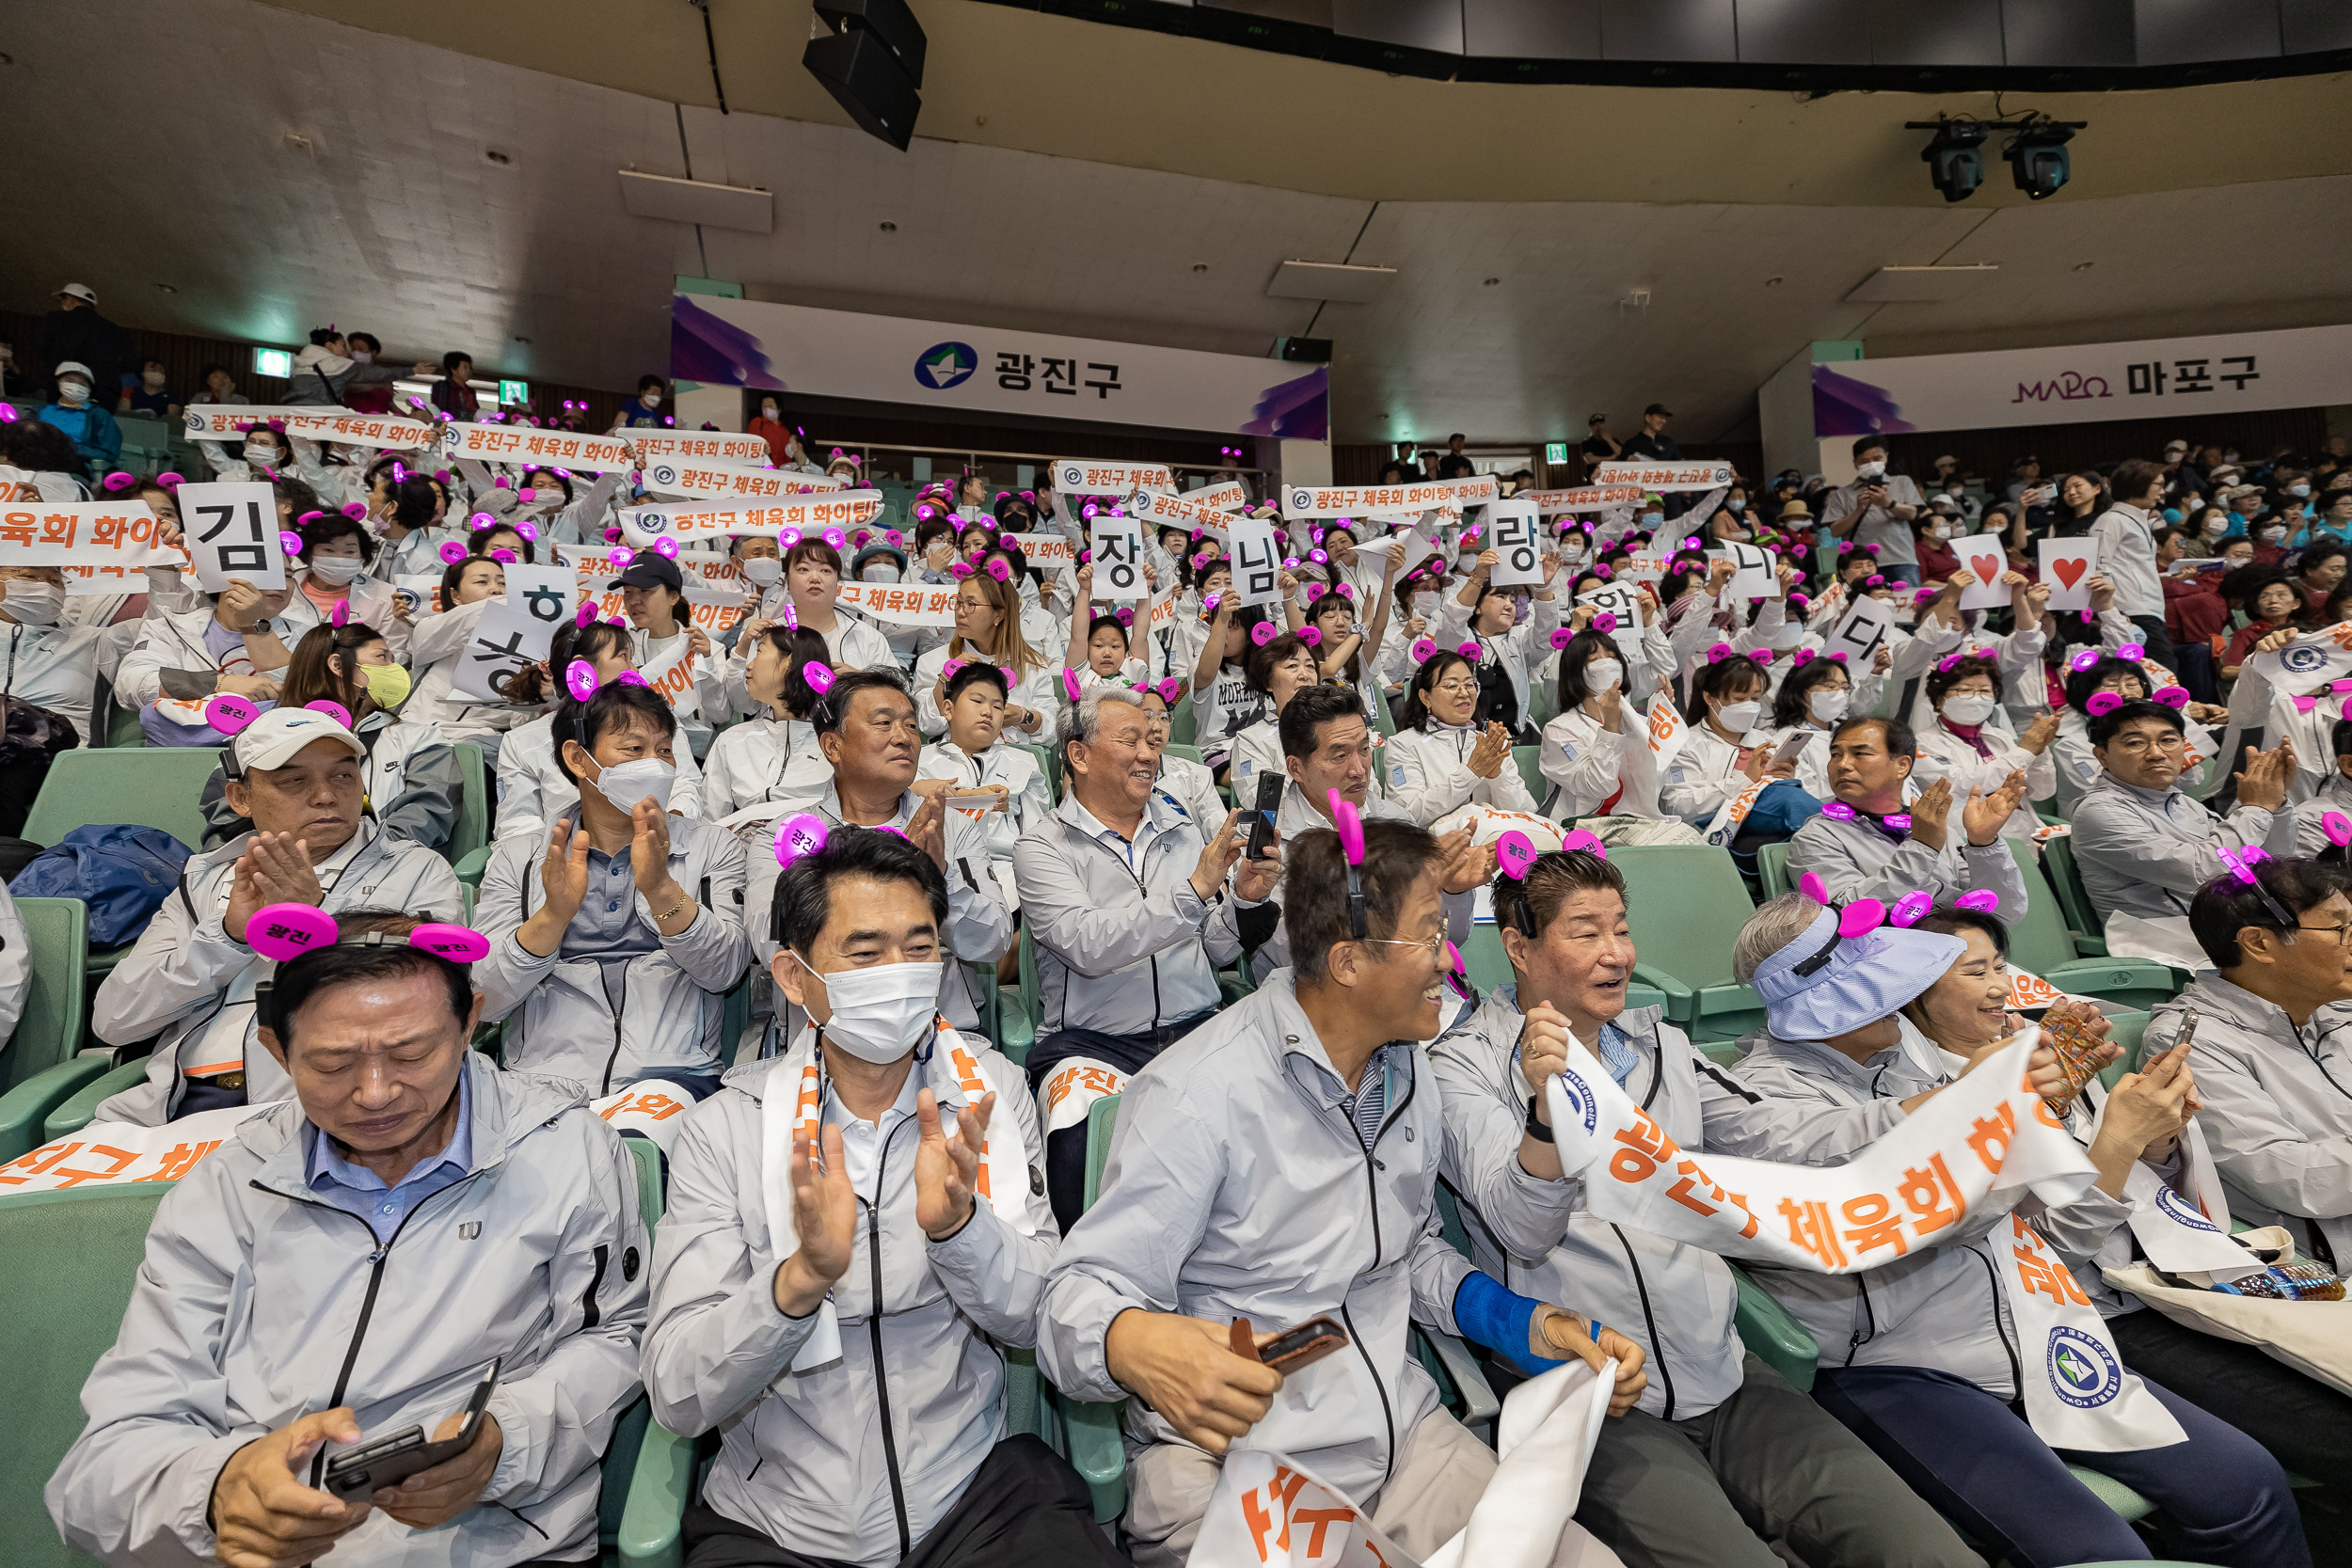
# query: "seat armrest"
1771, 1335
654, 1517
26, 1109
1479, 1406
81, 1108
1676, 991
1098, 1451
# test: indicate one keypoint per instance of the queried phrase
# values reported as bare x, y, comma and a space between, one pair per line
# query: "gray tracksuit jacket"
2277, 1114
856, 1460
257, 1305
1239, 1187
2147, 854
1854, 859
188, 982
663, 1008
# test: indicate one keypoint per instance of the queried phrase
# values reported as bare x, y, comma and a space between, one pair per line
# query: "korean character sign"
231, 531
1860, 632
1753, 577
1620, 600
1075, 476
504, 640
1515, 537
2067, 566
1118, 544
1257, 564
546, 593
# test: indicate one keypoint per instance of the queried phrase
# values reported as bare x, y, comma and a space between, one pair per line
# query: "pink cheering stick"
283, 932
666, 547
587, 616
456, 943
960, 569
819, 676
1314, 592
229, 714
787, 538
504, 557
1900, 821
1012, 677
335, 711
2100, 702
121, 481
1069, 684
834, 537
629, 677
802, 833
1836, 810
1170, 688
480, 520
1311, 636
612, 535
290, 541
2177, 696
340, 615
1590, 843
1263, 633
579, 679
1125, 615
1811, 885
452, 552
623, 555
1912, 907
1562, 637
1982, 900
528, 529
1422, 650
356, 510
1605, 623
2338, 828
1210, 603
1468, 650
1000, 571
171, 481
1860, 917
1514, 852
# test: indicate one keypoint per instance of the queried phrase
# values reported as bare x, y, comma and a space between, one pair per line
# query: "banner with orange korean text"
104, 546
1269, 1512
721, 446
710, 522
672, 673
1984, 1143
709, 479
711, 578
118, 1154
522, 443
1048, 552
1701, 475
902, 604
1157, 508
1356, 501
227, 422
1225, 497
1583, 498
1079, 476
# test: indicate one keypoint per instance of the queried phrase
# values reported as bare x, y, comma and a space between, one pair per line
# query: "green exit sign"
273, 361
512, 393
1556, 452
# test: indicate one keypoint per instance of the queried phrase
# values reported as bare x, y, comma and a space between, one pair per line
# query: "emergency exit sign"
1556, 452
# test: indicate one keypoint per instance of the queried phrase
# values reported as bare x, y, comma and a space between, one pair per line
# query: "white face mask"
1738, 718
2216, 529
1602, 673
336, 570
72, 392
258, 457
35, 604
880, 571
768, 412
625, 784
763, 571
154, 380
1827, 706
1968, 708
1651, 520
2272, 534
1425, 604
363, 356
651, 399
2298, 489
1939, 530
1571, 546
882, 1012
1868, 470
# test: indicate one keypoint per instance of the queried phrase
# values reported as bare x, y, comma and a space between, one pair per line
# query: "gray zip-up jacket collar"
1122, 948
665, 1008
1855, 859
2277, 1114
257, 1304
1238, 1187
855, 1459
979, 927
2145, 853
186, 973
1675, 1301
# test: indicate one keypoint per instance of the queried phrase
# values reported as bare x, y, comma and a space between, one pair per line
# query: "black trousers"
1025, 1507
2305, 1425
2158, 641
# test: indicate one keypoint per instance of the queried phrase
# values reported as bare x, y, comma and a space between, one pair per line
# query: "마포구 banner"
2300, 368
946, 366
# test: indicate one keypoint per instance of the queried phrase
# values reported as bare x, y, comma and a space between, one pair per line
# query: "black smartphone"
1304, 1345
388, 1461
1261, 826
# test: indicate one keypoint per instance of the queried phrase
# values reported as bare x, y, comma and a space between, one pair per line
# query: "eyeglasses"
1435, 946
2342, 933
1458, 689
2135, 744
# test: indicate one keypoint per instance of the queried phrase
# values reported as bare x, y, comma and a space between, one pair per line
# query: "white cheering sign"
218, 422
1515, 535
1985, 563
1586, 498
1754, 578
1075, 476
546, 593
1257, 564
1225, 497
519, 443
1353, 500
1118, 560
699, 521
1664, 476
1860, 633
713, 445
102, 545
2067, 566
231, 531
504, 640
1624, 603
714, 481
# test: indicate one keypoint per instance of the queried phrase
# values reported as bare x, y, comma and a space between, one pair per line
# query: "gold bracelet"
672, 914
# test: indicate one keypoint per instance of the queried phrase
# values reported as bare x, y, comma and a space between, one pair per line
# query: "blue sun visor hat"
1828, 983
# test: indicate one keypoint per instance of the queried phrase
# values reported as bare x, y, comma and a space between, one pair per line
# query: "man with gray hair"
1125, 897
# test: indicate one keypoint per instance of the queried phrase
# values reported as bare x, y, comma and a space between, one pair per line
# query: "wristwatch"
1535, 1128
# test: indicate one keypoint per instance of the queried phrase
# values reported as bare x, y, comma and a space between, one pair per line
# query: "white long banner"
104, 546
1078, 476
1700, 475
1356, 501
653, 445
1583, 498
1157, 508
225, 422
522, 443
710, 480
691, 522
902, 604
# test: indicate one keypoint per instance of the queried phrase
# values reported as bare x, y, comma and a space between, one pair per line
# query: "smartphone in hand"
1294, 1349
388, 1461
1262, 834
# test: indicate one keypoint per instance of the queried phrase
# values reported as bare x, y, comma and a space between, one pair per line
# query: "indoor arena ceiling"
444, 174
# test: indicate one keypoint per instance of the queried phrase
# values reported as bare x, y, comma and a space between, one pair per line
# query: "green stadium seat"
1183, 725
1048, 758
71, 1258
470, 867
79, 1109
2083, 927
1191, 753
40, 1067
473, 828
1772, 869
2040, 941
1771, 1335
1686, 904
1529, 760
149, 786
2128, 1030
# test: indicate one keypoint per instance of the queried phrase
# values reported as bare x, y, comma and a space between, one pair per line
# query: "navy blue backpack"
123, 873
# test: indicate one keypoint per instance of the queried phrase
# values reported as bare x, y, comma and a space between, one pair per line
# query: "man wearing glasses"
1281, 1166
2145, 848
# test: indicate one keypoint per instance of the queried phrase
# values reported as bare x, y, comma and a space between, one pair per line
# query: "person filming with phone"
856, 1229
1280, 1174
344, 1268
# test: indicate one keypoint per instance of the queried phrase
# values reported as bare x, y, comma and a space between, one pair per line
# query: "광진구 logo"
2083, 1372
944, 365
1580, 1097
2181, 1210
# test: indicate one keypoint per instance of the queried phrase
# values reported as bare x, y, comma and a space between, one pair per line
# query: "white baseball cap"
82, 292
271, 740
74, 367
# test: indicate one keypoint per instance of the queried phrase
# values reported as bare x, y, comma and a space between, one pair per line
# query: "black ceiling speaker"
872, 64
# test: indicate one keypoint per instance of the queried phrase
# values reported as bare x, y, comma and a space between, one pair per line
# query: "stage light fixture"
1955, 160
2038, 160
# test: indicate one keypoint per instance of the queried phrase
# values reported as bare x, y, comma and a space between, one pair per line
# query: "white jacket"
1039, 690
1029, 796
1520, 649
533, 790
761, 759
53, 667
1585, 763
175, 641
1702, 775
1967, 771
1427, 772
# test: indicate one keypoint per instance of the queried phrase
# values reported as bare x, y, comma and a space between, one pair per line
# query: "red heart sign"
2069, 571
1985, 566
